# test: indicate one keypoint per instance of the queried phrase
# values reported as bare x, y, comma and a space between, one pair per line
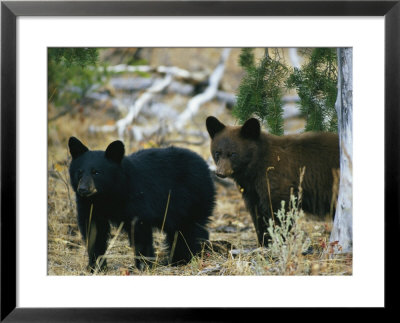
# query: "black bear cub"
246, 154
170, 189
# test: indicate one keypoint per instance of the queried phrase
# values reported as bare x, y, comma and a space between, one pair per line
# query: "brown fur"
244, 153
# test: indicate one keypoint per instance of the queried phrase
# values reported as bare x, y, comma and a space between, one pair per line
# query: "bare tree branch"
170, 72
134, 109
209, 93
176, 72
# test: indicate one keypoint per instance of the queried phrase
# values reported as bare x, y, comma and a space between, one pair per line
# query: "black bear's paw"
98, 266
143, 263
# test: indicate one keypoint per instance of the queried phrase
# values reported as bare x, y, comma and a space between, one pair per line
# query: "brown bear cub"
246, 154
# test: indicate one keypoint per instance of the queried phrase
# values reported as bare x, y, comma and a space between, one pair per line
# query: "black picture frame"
10, 10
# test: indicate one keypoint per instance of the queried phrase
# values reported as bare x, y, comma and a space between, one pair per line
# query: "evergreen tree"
78, 56
260, 91
67, 69
316, 85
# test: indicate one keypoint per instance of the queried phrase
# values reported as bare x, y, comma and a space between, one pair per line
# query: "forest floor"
233, 246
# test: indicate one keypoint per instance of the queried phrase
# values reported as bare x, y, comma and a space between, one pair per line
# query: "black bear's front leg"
143, 243
97, 243
95, 231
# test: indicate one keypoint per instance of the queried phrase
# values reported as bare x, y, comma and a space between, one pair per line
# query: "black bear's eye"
234, 155
80, 173
95, 172
217, 154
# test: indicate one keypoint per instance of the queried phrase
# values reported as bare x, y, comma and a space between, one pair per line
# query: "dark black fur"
134, 190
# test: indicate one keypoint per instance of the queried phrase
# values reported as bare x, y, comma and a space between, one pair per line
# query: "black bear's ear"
115, 151
251, 129
76, 148
214, 126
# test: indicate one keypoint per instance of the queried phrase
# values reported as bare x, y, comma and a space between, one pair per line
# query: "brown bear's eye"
217, 154
233, 155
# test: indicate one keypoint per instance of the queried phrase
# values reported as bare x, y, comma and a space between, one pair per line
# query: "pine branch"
260, 91
316, 83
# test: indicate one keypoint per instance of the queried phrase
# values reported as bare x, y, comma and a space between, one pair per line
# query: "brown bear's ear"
76, 148
214, 126
251, 129
115, 151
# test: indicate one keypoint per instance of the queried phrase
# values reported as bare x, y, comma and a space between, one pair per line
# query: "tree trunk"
342, 233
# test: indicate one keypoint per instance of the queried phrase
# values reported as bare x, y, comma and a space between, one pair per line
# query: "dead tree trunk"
342, 233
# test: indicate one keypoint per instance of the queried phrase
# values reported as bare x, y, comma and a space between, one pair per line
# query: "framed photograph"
75, 75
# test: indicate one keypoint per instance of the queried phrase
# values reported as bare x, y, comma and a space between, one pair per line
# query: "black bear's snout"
86, 187
85, 191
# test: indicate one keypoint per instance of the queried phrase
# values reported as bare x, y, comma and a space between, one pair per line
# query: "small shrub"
288, 240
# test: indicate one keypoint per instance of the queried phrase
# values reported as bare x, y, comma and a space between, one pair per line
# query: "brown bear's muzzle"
224, 168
